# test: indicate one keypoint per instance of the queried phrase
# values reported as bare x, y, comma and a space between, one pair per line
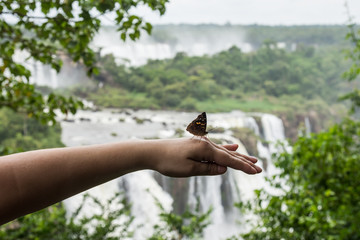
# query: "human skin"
33, 180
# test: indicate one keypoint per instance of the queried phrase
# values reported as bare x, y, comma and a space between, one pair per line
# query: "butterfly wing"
198, 126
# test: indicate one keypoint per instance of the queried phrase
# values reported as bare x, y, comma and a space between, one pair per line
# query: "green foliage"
188, 104
353, 73
112, 220
319, 185
231, 79
53, 223
119, 98
43, 29
18, 133
189, 225
316, 192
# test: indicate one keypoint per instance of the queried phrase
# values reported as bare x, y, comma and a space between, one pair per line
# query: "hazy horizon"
245, 12
260, 12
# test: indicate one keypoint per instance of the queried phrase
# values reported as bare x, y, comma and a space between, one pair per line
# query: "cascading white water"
251, 123
208, 191
99, 127
141, 188
43, 75
273, 131
274, 135
307, 126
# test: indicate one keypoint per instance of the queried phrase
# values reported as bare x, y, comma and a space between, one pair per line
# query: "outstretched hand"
191, 157
43, 177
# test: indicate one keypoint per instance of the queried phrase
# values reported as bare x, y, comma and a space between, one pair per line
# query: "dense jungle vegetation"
20, 133
270, 79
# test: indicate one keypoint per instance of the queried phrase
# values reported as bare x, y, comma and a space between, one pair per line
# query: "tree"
112, 221
353, 73
46, 29
318, 195
188, 225
320, 199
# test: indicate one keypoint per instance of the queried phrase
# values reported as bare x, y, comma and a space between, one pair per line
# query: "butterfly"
198, 126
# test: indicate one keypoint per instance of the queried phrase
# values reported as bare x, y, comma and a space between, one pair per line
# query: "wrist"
144, 154
152, 154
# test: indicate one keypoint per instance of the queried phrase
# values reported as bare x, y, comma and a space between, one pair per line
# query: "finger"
232, 152
248, 162
231, 147
246, 157
250, 158
211, 152
202, 169
239, 163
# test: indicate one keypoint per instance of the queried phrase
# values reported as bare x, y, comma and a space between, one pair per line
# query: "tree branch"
23, 15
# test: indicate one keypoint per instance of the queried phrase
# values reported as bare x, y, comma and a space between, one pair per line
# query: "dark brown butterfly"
198, 126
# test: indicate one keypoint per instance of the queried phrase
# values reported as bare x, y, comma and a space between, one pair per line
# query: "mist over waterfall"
217, 192
165, 42
43, 75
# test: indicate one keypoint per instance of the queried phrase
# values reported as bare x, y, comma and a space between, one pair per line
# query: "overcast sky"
269, 12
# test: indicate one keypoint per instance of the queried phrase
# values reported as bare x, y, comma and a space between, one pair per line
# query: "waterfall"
164, 43
136, 54
274, 135
307, 126
251, 123
218, 192
43, 75
211, 192
175, 39
102, 192
140, 189
273, 131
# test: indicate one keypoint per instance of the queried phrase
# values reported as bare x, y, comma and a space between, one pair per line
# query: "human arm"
33, 180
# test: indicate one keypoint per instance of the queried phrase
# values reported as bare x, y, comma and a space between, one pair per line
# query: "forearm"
33, 180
